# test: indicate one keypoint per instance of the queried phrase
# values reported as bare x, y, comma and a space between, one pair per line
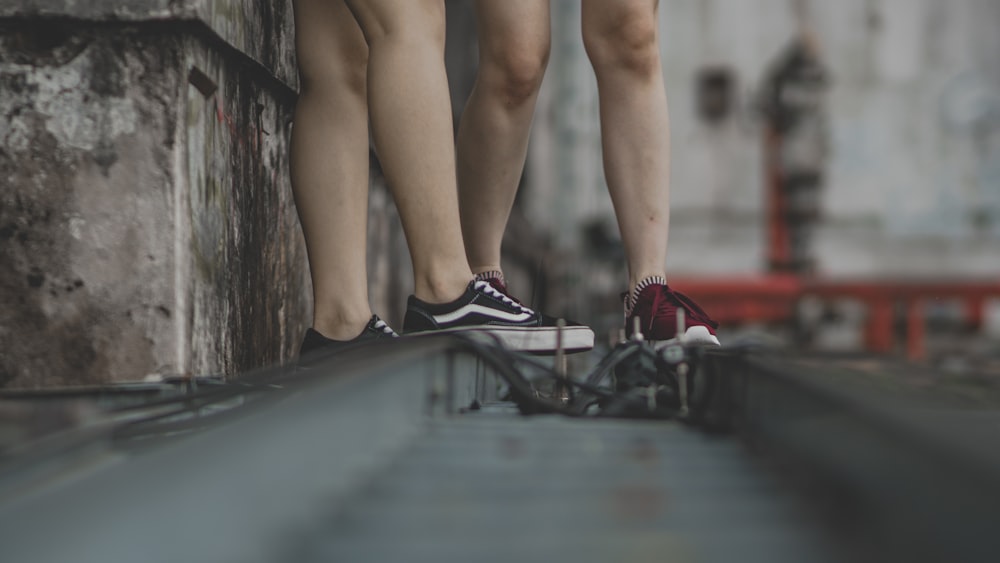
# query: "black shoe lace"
490, 289
499, 286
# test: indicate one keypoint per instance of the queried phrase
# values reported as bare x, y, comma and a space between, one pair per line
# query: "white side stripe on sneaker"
473, 308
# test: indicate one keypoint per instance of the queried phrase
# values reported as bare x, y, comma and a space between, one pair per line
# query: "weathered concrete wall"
260, 30
146, 223
88, 205
247, 276
913, 185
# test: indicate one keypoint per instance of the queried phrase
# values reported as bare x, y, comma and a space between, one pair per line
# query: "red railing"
774, 298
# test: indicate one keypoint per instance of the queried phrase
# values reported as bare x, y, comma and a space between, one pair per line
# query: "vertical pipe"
915, 330
778, 252
974, 307
879, 325
560, 390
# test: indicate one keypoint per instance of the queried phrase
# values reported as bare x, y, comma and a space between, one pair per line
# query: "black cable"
501, 360
611, 402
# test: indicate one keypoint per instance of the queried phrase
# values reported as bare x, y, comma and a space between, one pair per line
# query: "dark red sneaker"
656, 305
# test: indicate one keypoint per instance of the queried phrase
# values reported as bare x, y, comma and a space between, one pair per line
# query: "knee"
415, 23
516, 73
627, 42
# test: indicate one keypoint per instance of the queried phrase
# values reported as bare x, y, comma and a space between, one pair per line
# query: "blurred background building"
912, 171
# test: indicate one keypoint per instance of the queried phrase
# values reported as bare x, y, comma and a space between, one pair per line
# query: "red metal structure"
775, 298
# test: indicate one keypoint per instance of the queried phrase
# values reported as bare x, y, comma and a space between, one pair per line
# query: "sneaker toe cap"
700, 335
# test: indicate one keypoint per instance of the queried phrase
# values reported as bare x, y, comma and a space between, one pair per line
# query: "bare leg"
410, 113
329, 163
514, 37
621, 40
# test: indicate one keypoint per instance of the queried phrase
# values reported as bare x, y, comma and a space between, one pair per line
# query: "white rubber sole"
693, 336
542, 339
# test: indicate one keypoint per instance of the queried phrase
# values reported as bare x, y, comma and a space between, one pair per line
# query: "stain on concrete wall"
264, 31
245, 244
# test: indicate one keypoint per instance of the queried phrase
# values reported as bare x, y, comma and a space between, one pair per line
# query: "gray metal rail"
404, 453
377, 464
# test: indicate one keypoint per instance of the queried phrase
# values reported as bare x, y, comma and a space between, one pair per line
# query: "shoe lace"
496, 279
499, 286
666, 298
488, 288
382, 326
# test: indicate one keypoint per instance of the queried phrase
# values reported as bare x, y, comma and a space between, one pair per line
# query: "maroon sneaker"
656, 305
578, 337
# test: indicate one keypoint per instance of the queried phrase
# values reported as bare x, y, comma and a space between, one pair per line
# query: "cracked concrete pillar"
146, 221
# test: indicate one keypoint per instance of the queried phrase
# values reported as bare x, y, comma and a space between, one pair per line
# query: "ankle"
341, 324
635, 280
439, 290
490, 274
485, 266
